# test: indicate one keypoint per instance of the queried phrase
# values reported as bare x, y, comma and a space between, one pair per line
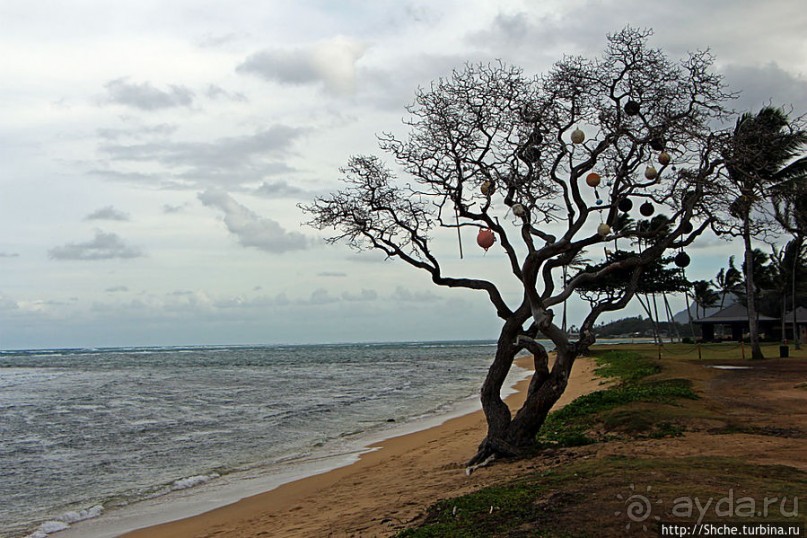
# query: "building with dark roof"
734, 319
801, 324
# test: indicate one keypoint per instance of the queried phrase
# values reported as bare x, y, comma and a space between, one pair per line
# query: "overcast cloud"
251, 229
107, 213
104, 246
208, 124
223, 161
145, 96
331, 63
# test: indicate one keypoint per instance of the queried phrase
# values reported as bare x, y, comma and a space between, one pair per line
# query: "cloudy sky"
153, 153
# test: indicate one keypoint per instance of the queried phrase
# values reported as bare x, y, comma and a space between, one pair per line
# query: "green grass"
586, 498
627, 367
711, 352
571, 425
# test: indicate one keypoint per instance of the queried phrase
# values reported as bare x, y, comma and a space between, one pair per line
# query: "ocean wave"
65, 520
183, 483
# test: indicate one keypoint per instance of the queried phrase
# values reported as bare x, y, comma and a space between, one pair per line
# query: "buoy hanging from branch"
682, 259
486, 188
625, 205
593, 179
603, 229
578, 136
650, 172
664, 158
485, 238
657, 143
519, 210
646, 209
631, 108
687, 227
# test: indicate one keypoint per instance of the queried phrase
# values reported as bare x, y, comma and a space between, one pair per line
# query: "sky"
153, 154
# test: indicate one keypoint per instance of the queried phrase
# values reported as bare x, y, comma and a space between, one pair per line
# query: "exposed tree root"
491, 449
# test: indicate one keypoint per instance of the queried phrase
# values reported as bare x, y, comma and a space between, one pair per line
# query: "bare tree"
492, 150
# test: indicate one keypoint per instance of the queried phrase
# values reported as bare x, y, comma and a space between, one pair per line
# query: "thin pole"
565, 274
459, 236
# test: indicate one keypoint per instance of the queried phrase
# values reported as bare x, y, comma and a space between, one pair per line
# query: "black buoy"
687, 227
657, 143
681, 259
536, 138
625, 205
631, 108
646, 209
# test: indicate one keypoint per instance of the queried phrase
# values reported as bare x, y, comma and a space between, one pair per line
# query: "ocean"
87, 435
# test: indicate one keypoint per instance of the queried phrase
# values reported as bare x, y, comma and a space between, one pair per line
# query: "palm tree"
764, 273
791, 269
703, 295
728, 280
759, 156
790, 204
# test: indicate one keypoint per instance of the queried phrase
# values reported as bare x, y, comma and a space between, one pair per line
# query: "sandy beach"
377, 495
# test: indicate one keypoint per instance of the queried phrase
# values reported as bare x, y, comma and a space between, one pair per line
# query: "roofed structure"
736, 318
801, 323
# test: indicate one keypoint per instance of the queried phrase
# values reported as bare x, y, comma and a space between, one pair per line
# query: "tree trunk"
496, 411
509, 436
750, 290
784, 322
545, 390
796, 332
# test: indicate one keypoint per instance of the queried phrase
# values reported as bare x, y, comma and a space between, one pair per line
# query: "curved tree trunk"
510, 436
545, 389
496, 411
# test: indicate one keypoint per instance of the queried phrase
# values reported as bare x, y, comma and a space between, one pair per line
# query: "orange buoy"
593, 179
485, 238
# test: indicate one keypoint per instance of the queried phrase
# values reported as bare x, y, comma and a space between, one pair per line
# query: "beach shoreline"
215, 492
385, 487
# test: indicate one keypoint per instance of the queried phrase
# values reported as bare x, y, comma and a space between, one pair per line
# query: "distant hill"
695, 310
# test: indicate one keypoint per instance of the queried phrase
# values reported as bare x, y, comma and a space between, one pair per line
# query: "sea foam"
63, 522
